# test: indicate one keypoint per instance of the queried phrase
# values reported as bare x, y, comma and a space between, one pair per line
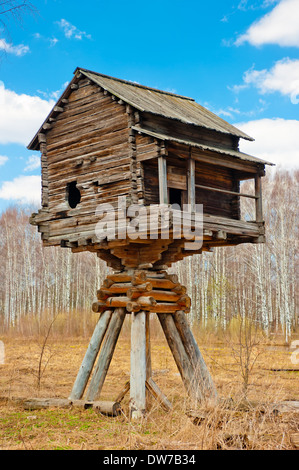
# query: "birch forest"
257, 281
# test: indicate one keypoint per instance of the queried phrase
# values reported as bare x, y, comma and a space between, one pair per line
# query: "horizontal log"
40, 403
107, 408
162, 283
119, 302
145, 301
133, 307
167, 307
180, 289
137, 291
116, 288
98, 307
167, 296
139, 278
120, 277
225, 191
107, 283
103, 294
184, 301
172, 277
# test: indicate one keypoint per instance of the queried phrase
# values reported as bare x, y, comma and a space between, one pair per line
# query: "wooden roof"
151, 100
162, 103
210, 148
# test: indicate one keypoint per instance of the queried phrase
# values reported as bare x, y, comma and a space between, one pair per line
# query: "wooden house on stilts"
111, 149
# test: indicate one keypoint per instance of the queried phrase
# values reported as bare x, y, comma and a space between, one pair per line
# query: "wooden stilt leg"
138, 366
201, 372
101, 369
90, 356
148, 346
180, 356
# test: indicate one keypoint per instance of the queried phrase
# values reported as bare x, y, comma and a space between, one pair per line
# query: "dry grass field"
235, 422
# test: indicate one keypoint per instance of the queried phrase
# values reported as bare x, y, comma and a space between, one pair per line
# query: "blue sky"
238, 58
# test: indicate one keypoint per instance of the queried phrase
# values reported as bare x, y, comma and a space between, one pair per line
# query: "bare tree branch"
14, 9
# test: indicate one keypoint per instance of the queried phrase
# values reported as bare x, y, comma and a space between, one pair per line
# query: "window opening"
175, 196
73, 194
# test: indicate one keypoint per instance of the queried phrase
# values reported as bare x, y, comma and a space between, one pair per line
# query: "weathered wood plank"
162, 169
201, 373
180, 356
90, 356
106, 353
159, 396
138, 366
191, 184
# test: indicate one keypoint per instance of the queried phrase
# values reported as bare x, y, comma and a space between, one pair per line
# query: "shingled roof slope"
150, 100
168, 105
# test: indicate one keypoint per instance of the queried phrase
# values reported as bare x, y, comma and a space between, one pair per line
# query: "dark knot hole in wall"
73, 194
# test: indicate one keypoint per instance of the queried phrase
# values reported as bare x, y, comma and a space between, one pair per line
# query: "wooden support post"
258, 200
180, 356
148, 346
90, 356
138, 366
162, 168
191, 184
201, 373
101, 369
148, 355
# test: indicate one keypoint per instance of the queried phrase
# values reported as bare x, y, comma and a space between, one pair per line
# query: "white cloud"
21, 115
280, 26
51, 41
18, 50
276, 140
3, 159
33, 163
53, 94
23, 189
283, 77
71, 31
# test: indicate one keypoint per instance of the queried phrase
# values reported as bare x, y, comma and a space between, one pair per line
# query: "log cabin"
109, 140
110, 149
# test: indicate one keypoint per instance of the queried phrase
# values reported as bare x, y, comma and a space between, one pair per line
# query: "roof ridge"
128, 82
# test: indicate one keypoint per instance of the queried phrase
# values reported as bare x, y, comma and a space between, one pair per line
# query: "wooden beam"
180, 356
201, 373
191, 184
258, 199
225, 191
162, 169
105, 357
159, 396
138, 365
90, 356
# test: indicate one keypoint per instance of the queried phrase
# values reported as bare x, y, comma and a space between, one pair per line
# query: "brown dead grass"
231, 424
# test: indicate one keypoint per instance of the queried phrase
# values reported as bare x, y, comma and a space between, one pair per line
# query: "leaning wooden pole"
106, 353
180, 356
90, 356
201, 374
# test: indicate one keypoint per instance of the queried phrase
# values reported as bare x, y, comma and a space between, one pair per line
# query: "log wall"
87, 144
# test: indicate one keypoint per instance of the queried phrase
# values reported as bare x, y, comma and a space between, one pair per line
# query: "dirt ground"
232, 423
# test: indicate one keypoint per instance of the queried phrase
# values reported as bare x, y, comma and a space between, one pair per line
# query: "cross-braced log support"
141, 293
